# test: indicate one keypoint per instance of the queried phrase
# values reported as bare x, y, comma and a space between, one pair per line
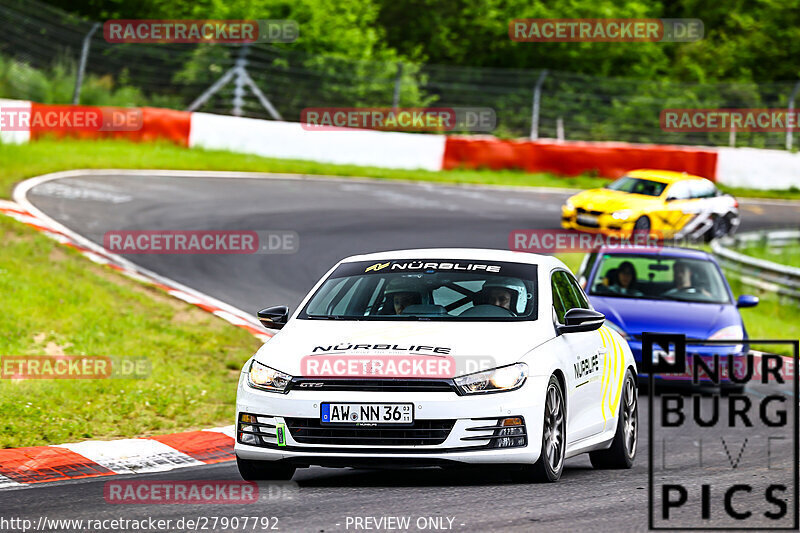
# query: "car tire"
263, 470
550, 465
623, 448
721, 227
642, 224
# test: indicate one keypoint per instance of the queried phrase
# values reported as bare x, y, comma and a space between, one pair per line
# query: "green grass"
785, 255
41, 157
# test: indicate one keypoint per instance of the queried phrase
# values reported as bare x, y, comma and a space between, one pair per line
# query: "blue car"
666, 290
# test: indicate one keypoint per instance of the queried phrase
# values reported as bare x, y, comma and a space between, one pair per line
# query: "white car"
438, 357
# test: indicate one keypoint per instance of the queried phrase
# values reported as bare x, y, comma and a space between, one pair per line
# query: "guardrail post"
537, 96
791, 108
76, 95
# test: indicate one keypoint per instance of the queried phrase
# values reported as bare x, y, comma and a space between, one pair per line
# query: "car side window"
679, 191
703, 189
566, 294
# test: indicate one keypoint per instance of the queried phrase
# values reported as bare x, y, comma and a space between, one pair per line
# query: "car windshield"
637, 186
427, 289
657, 277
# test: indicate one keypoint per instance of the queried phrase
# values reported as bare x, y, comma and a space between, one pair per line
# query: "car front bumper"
462, 443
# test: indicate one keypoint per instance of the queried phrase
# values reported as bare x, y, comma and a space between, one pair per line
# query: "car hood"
609, 201
489, 344
695, 320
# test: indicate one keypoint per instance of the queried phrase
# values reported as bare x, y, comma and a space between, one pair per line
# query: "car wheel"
263, 470
623, 448
554, 443
720, 228
642, 224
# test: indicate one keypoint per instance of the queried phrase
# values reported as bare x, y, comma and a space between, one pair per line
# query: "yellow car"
666, 204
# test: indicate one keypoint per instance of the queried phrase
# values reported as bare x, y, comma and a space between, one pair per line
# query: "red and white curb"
39, 464
23, 466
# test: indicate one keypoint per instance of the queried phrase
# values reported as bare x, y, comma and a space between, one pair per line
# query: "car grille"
587, 212
373, 385
421, 433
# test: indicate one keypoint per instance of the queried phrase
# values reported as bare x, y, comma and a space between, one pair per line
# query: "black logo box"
662, 366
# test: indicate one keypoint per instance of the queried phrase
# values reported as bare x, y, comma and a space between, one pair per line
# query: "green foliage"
56, 85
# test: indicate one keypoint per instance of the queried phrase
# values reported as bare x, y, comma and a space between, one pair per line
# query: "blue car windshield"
652, 276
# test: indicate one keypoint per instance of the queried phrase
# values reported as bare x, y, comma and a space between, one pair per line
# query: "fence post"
239, 81
537, 96
732, 138
791, 108
560, 129
76, 95
397, 81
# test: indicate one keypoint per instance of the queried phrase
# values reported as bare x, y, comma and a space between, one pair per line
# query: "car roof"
663, 176
666, 251
471, 254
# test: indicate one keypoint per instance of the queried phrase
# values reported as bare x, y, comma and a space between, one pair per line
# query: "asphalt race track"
336, 218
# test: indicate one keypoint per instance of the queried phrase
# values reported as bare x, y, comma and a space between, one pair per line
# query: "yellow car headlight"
623, 214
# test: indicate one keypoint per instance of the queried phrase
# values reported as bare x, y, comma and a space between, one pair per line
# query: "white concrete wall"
14, 137
756, 168
288, 140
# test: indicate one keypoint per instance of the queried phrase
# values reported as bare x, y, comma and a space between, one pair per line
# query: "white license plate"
366, 413
588, 220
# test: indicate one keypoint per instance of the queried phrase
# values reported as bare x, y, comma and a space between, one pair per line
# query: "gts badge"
587, 366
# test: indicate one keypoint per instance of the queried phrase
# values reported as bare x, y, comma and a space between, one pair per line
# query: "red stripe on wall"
610, 160
156, 124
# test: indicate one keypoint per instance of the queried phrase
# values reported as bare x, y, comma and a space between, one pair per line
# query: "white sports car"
438, 357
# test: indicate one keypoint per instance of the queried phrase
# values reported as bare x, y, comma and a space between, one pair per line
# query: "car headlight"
730, 332
569, 205
266, 378
624, 214
617, 329
505, 378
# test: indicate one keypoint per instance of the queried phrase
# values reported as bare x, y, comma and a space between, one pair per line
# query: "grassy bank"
58, 302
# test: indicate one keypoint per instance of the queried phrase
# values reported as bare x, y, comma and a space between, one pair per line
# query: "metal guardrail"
766, 275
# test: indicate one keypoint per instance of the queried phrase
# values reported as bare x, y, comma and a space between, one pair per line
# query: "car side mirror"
274, 317
576, 320
747, 300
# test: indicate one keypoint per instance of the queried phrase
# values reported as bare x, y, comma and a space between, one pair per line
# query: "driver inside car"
500, 292
684, 279
401, 293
